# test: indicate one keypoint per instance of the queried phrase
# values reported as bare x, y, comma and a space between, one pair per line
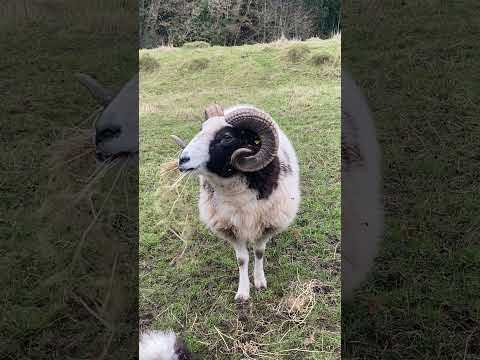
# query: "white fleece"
157, 345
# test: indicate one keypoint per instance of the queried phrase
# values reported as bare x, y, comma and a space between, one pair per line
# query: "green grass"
423, 297
194, 295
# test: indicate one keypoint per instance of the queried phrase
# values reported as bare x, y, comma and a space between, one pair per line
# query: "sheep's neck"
230, 187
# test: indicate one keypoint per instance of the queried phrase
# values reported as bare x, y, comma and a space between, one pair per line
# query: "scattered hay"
241, 341
198, 64
92, 191
150, 108
300, 300
196, 45
297, 53
73, 156
168, 166
238, 336
148, 63
174, 205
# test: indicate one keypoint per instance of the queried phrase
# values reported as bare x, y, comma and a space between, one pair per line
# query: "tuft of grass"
196, 45
188, 277
297, 53
148, 63
198, 64
319, 59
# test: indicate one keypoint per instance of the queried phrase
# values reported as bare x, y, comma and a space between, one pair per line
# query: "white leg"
259, 275
241, 252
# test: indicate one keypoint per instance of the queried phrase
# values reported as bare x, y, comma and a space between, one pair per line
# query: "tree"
233, 22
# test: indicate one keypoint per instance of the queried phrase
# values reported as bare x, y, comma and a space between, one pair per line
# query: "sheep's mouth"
187, 170
104, 157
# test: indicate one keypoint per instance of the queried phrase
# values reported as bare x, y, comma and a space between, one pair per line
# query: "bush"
148, 63
196, 45
297, 53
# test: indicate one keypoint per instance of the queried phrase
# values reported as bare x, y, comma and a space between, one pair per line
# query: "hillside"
298, 83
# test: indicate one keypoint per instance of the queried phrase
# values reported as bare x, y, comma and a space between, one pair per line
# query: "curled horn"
103, 95
213, 110
262, 124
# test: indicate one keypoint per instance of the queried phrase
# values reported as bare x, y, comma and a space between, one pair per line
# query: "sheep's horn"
262, 124
213, 110
103, 95
178, 141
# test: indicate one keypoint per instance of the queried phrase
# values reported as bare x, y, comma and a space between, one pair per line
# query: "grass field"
418, 64
298, 317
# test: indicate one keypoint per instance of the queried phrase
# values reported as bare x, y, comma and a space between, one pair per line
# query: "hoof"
242, 298
261, 285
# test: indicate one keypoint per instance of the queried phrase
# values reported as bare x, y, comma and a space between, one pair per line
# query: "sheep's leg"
259, 275
241, 252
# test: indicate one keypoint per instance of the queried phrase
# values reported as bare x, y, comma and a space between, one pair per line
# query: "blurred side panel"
416, 66
69, 179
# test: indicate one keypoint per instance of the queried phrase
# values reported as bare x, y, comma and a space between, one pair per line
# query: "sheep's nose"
183, 160
106, 134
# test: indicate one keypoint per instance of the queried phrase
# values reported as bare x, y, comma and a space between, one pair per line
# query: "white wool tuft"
157, 345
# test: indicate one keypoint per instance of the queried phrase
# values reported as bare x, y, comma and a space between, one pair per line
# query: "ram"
249, 182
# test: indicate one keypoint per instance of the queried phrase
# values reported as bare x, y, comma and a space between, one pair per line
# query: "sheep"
362, 211
249, 182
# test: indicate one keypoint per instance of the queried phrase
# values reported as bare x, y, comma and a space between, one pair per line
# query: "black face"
224, 144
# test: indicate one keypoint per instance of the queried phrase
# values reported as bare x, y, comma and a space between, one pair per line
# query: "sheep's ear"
213, 110
101, 94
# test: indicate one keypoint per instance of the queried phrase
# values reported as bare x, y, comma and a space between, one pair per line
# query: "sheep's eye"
227, 139
257, 141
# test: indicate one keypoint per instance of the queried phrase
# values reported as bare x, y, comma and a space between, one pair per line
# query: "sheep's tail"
162, 345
